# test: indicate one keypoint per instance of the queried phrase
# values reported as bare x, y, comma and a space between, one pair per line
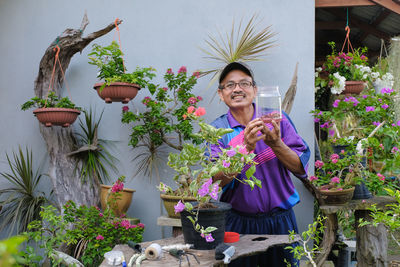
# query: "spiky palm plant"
93, 152
247, 45
21, 201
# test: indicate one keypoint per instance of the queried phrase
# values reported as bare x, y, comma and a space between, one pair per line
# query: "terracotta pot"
56, 116
171, 201
333, 197
353, 87
117, 92
122, 204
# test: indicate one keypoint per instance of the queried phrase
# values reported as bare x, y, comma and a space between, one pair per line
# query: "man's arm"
225, 178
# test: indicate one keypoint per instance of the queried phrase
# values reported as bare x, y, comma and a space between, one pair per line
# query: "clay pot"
171, 201
353, 87
334, 197
56, 116
117, 92
122, 204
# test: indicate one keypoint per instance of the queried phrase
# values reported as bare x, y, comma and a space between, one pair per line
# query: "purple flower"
394, 149
214, 191
364, 96
99, 237
226, 164
386, 91
179, 207
385, 106
336, 103
376, 123
209, 238
398, 123
317, 119
369, 108
205, 188
331, 132
231, 153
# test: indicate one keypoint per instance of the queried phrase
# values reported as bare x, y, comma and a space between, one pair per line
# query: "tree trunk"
64, 170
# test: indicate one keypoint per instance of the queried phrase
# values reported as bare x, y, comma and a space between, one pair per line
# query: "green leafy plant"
388, 216
21, 200
247, 45
195, 169
87, 230
93, 152
9, 253
112, 69
313, 234
52, 101
164, 121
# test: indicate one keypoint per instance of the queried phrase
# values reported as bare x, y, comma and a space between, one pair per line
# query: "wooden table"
175, 223
246, 246
372, 241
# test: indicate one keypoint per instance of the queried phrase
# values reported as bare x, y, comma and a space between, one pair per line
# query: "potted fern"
53, 110
118, 86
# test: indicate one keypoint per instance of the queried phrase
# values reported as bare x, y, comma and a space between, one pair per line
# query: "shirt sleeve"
294, 141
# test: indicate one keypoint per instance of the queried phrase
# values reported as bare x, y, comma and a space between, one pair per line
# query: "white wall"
161, 34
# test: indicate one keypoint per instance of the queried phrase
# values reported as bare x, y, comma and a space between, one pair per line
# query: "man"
279, 150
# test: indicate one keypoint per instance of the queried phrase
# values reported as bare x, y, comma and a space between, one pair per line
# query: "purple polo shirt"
277, 189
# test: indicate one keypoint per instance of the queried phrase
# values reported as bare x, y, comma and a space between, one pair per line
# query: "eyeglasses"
232, 85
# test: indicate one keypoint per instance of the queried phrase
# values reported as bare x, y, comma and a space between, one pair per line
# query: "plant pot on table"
122, 204
335, 197
214, 216
170, 201
117, 91
56, 116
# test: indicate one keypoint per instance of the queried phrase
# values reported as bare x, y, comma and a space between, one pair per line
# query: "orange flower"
184, 116
190, 109
200, 112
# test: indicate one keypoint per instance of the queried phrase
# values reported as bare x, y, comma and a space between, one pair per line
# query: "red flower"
182, 69
125, 108
196, 74
200, 112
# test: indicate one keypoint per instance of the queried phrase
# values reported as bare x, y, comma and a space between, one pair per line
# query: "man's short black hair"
236, 66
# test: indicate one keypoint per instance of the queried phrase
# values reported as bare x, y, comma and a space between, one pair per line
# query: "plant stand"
175, 223
372, 241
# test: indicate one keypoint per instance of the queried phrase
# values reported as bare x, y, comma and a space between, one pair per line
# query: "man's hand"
272, 138
251, 132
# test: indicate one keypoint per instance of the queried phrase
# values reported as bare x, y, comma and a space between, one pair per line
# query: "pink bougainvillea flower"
340, 189
336, 103
209, 238
313, 178
317, 120
184, 116
243, 150
363, 201
179, 207
101, 214
381, 176
133, 226
99, 237
117, 187
382, 146
199, 98
376, 123
205, 188
141, 225
97, 208
398, 123
226, 164
364, 96
196, 74
331, 132
190, 109
319, 164
385, 106
335, 180
231, 153
192, 100
394, 149
165, 89
200, 112
182, 69
125, 224
386, 91
169, 71
369, 108
125, 108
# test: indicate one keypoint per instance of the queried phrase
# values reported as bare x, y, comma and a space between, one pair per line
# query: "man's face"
237, 97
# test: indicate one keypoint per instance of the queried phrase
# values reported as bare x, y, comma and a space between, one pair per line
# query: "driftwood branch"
288, 100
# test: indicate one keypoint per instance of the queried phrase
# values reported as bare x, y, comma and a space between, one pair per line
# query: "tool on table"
178, 253
225, 252
135, 246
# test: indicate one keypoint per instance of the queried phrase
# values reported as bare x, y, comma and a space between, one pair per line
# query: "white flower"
316, 74
365, 76
339, 83
319, 69
374, 75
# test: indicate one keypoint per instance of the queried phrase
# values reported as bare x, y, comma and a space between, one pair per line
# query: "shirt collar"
234, 123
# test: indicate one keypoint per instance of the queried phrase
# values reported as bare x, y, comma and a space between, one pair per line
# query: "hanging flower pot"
335, 197
56, 116
212, 216
117, 91
170, 201
353, 87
